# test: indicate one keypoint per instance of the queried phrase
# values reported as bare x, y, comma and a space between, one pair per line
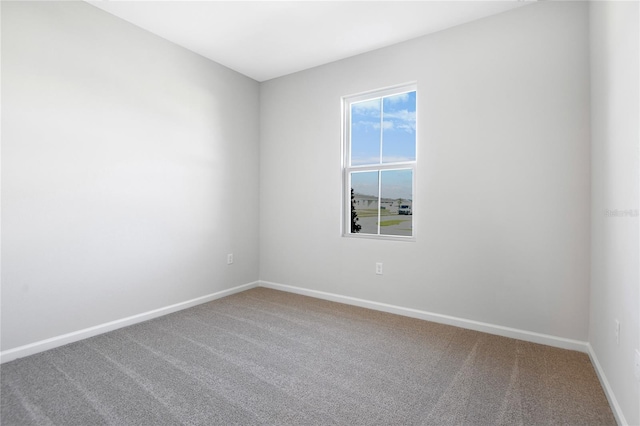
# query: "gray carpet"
268, 357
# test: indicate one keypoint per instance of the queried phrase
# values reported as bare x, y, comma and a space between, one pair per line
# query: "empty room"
320, 213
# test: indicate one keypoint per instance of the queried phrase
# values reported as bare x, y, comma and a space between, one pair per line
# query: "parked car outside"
404, 209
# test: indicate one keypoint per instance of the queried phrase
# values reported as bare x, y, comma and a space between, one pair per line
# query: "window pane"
365, 132
396, 204
399, 128
364, 202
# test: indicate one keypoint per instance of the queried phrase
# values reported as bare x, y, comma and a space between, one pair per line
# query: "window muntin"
380, 163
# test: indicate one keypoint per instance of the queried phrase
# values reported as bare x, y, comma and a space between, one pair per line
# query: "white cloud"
386, 125
375, 125
371, 107
396, 159
357, 161
402, 97
404, 120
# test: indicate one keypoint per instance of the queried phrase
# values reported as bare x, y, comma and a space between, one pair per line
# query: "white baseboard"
54, 342
559, 342
529, 336
613, 402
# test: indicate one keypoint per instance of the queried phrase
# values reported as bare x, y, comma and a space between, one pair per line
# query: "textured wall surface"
502, 186
615, 281
129, 171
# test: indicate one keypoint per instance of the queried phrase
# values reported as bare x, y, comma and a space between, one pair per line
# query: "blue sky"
383, 130
396, 115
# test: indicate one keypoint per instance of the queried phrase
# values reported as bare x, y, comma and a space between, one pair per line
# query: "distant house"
366, 202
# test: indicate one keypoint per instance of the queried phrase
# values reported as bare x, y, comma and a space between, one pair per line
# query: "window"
380, 163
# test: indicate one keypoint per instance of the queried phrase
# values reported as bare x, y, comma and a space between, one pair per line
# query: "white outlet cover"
637, 364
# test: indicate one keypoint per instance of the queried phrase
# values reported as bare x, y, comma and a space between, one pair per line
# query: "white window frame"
347, 168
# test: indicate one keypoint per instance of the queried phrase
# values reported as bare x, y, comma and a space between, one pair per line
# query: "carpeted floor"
268, 357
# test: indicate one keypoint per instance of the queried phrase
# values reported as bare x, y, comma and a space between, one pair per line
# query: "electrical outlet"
229, 258
617, 331
378, 268
636, 363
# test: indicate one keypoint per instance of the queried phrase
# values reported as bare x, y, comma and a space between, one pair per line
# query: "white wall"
502, 194
129, 170
615, 284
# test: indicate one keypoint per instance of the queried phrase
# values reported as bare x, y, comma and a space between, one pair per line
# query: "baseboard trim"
529, 336
613, 402
54, 342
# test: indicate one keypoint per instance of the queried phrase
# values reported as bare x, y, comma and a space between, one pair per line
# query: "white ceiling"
268, 39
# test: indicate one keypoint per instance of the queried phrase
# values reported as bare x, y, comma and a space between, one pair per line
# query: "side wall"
502, 193
615, 283
129, 171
